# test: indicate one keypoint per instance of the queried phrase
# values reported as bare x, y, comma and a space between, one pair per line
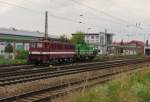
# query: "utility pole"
46, 25
105, 31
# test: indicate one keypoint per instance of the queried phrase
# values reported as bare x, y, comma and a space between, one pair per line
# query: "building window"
102, 40
97, 41
87, 36
92, 37
97, 37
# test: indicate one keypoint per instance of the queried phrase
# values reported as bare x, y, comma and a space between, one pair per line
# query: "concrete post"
14, 50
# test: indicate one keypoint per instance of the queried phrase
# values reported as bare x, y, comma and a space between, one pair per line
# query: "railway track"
28, 67
46, 94
10, 68
21, 76
7, 65
14, 67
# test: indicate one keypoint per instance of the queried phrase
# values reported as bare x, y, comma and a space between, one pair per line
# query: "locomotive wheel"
37, 63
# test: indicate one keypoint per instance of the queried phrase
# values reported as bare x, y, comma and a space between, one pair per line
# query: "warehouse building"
18, 38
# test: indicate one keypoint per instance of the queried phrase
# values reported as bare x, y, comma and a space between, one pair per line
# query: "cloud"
6, 5
130, 10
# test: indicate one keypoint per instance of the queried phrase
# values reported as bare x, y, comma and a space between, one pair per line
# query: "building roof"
97, 33
17, 32
138, 42
131, 42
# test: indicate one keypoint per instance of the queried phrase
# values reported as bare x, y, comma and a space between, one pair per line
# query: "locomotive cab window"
36, 45
33, 45
147, 51
39, 45
46, 45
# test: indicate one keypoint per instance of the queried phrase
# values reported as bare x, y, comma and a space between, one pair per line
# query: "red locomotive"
51, 52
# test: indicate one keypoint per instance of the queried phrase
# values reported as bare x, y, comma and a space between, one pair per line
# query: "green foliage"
63, 38
22, 54
18, 61
78, 38
134, 88
9, 48
15, 61
2, 60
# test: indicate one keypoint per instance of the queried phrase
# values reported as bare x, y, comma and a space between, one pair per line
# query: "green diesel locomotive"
85, 51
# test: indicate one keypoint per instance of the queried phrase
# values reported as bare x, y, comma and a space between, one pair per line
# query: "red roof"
141, 43
131, 42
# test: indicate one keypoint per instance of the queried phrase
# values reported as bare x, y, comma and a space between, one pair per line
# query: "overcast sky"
118, 16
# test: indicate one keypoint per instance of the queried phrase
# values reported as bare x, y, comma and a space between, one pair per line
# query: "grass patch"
113, 57
133, 88
12, 61
20, 58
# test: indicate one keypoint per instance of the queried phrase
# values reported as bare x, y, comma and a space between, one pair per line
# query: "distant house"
132, 47
138, 44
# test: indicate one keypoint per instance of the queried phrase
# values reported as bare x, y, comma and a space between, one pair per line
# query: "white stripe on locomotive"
52, 52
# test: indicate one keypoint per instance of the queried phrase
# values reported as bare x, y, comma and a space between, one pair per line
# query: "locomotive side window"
46, 45
39, 45
54, 46
33, 45
36, 45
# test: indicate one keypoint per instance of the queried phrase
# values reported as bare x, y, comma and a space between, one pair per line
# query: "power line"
94, 9
40, 12
36, 11
97, 18
19, 6
74, 21
109, 15
52, 15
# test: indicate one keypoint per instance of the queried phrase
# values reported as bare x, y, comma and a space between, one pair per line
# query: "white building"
2, 47
100, 41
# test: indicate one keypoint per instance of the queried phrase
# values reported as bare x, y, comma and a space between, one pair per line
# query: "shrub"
9, 48
22, 54
18, 61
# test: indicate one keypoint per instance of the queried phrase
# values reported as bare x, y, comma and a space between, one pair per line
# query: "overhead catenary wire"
104, 19
50, 14
22, 7
90, 18
54, 15
36, 11
100, 11
39, 12
123, 21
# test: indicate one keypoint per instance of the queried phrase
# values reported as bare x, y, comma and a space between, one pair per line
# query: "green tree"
78, 37
63, 37
21, 54
9, 48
